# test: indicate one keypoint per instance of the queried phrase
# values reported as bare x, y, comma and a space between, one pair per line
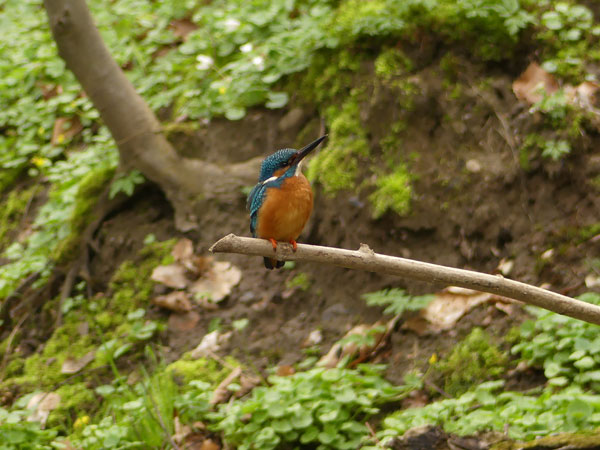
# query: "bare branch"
366, 259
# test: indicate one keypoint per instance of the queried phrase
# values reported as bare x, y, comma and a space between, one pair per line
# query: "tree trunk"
189, 184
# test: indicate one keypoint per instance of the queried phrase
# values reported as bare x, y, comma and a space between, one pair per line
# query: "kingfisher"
282, 200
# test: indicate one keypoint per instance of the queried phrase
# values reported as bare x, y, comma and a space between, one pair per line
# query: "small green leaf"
585, 363
552, 20
276, 100
235, 113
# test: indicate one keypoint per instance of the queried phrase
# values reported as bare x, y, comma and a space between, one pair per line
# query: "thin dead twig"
366, 259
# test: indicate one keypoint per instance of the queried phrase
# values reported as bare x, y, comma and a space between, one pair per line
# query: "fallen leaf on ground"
72, 365
247, 383
177, 301
183, 321
446, 309
42, 404
592, 281
172, 275
533, 83
314, 338
210, 445
49, 90
285, 371
583, 95
181, 431
182, 250
65, 128
210, 344
217, 282
339, 351
505, 266
182, 27
221, 394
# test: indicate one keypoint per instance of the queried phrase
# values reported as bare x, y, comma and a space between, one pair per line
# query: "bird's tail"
271, 263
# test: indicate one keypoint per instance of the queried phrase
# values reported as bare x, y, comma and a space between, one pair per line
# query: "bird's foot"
294, 244
273, 243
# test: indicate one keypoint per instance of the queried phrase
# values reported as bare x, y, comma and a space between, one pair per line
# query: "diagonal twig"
366, 259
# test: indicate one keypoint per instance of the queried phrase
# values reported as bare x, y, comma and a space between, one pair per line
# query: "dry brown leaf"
592, 281
65, 128
181, 431
221, 394
182, 27
584, 95
285, 371
247, 383
183, 250
338, 352
172, 275
510, 309
183, 322
533, 83
49, 90
446, 309
416, 324
505, 266
42, 404
210, 344
216, 284
208, 444
72, 365
314, 338
177, 301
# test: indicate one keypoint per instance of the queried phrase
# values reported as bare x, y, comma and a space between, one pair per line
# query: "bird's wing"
255, 199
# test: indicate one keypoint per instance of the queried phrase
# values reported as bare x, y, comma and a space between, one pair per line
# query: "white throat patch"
269, 179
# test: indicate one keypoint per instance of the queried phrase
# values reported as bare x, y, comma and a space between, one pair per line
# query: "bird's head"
283, 160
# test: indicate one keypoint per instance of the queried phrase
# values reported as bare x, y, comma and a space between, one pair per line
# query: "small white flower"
246, 48
259, 62
231, 24
204, 62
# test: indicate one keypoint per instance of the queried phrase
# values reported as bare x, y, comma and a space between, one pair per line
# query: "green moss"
472, 361
336, 166
187, 369
393, 192
42, 370
73, 399
392, 63
392, 67
12, 210
329, 76
382, 18
89, 190
131, 286
583, 440
67, 339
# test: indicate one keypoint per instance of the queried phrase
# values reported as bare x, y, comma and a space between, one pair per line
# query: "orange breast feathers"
285, 210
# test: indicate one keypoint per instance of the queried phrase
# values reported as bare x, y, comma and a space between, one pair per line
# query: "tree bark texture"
187, 183
367, 259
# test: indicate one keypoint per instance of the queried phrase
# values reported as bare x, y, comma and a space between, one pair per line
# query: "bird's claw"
274, 244
294, 245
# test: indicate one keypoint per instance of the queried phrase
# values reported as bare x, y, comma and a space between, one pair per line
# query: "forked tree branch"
366, 259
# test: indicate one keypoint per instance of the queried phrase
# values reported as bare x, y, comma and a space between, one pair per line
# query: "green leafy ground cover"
236, 55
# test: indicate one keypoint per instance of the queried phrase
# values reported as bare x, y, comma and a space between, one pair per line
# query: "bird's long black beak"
309, 148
